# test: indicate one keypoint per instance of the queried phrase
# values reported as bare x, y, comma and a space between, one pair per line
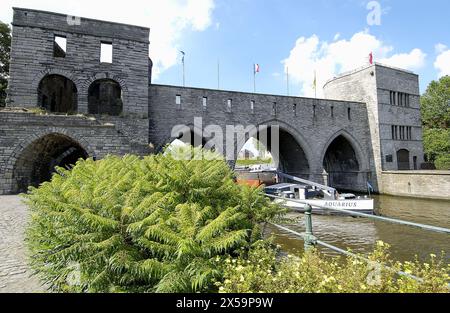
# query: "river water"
361, 234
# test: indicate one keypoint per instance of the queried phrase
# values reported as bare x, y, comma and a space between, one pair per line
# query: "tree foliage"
153, 224
5, 49
435, 105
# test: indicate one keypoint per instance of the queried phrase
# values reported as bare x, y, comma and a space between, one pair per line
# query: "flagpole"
254, 78
315, 84
287, 80
218, 74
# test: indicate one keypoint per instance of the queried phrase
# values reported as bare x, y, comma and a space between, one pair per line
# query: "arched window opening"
58, 94
105, 97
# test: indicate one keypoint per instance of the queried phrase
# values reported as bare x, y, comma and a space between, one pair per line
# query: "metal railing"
310, 241
375, 217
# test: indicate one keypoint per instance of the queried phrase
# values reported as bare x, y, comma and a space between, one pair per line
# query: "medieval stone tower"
393, 107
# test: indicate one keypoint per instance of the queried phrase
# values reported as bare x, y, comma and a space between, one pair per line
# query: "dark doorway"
289, 155
105, 97
403, 160
341, 164
57, 94
38, 161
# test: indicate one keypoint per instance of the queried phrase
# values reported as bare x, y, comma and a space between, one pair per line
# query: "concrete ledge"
421, 172
417, 184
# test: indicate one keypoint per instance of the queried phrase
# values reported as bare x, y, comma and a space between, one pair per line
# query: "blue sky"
243, 32
326, 36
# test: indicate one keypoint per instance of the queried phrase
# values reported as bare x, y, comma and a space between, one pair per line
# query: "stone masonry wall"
19, 130
313, 131
372, 85
32, 59
389, 79
417, 184
360, 85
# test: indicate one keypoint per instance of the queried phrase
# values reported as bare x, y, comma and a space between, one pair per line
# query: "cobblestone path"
15, 276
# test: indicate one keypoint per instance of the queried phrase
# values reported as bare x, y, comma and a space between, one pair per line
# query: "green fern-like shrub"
153, 224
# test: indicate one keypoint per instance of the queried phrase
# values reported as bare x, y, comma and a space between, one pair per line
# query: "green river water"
361, 234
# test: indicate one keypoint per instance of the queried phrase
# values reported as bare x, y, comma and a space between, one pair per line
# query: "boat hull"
357, 205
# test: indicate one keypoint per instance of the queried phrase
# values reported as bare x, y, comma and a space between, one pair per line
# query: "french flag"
256, 68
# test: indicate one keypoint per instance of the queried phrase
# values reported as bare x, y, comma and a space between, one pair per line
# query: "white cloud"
329, 59
337, 36
412, 61
442, 63
167, 19
439, 48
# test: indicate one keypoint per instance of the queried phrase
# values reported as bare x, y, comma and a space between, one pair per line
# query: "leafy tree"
5, 49
437, 146
435, 105
153, 224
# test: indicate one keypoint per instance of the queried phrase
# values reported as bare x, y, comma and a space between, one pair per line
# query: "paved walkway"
14, 272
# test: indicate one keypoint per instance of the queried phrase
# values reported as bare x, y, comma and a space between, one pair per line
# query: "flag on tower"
256, 68
371, 58
255, 71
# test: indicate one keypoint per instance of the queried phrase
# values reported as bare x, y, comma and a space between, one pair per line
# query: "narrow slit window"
349, 114
274, 108
229, 105
205, 103
252, 106
178, 101
314, 111
106, 52
294, 109
332, 112
60, 47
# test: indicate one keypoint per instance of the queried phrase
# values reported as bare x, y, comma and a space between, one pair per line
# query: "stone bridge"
85, 91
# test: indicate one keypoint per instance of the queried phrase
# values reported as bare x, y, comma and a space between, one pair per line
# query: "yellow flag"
315, 80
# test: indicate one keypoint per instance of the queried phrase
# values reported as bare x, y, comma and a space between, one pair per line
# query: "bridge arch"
34, 159
344, 161
186, 134
295, 155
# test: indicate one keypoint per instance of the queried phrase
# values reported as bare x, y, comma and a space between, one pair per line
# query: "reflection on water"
361, 234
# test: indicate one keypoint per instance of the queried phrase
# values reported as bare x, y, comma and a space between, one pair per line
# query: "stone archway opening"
403, 160
341, 163
254, 153
37, 162
58, 94
186, 138
288, 156
105, 97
